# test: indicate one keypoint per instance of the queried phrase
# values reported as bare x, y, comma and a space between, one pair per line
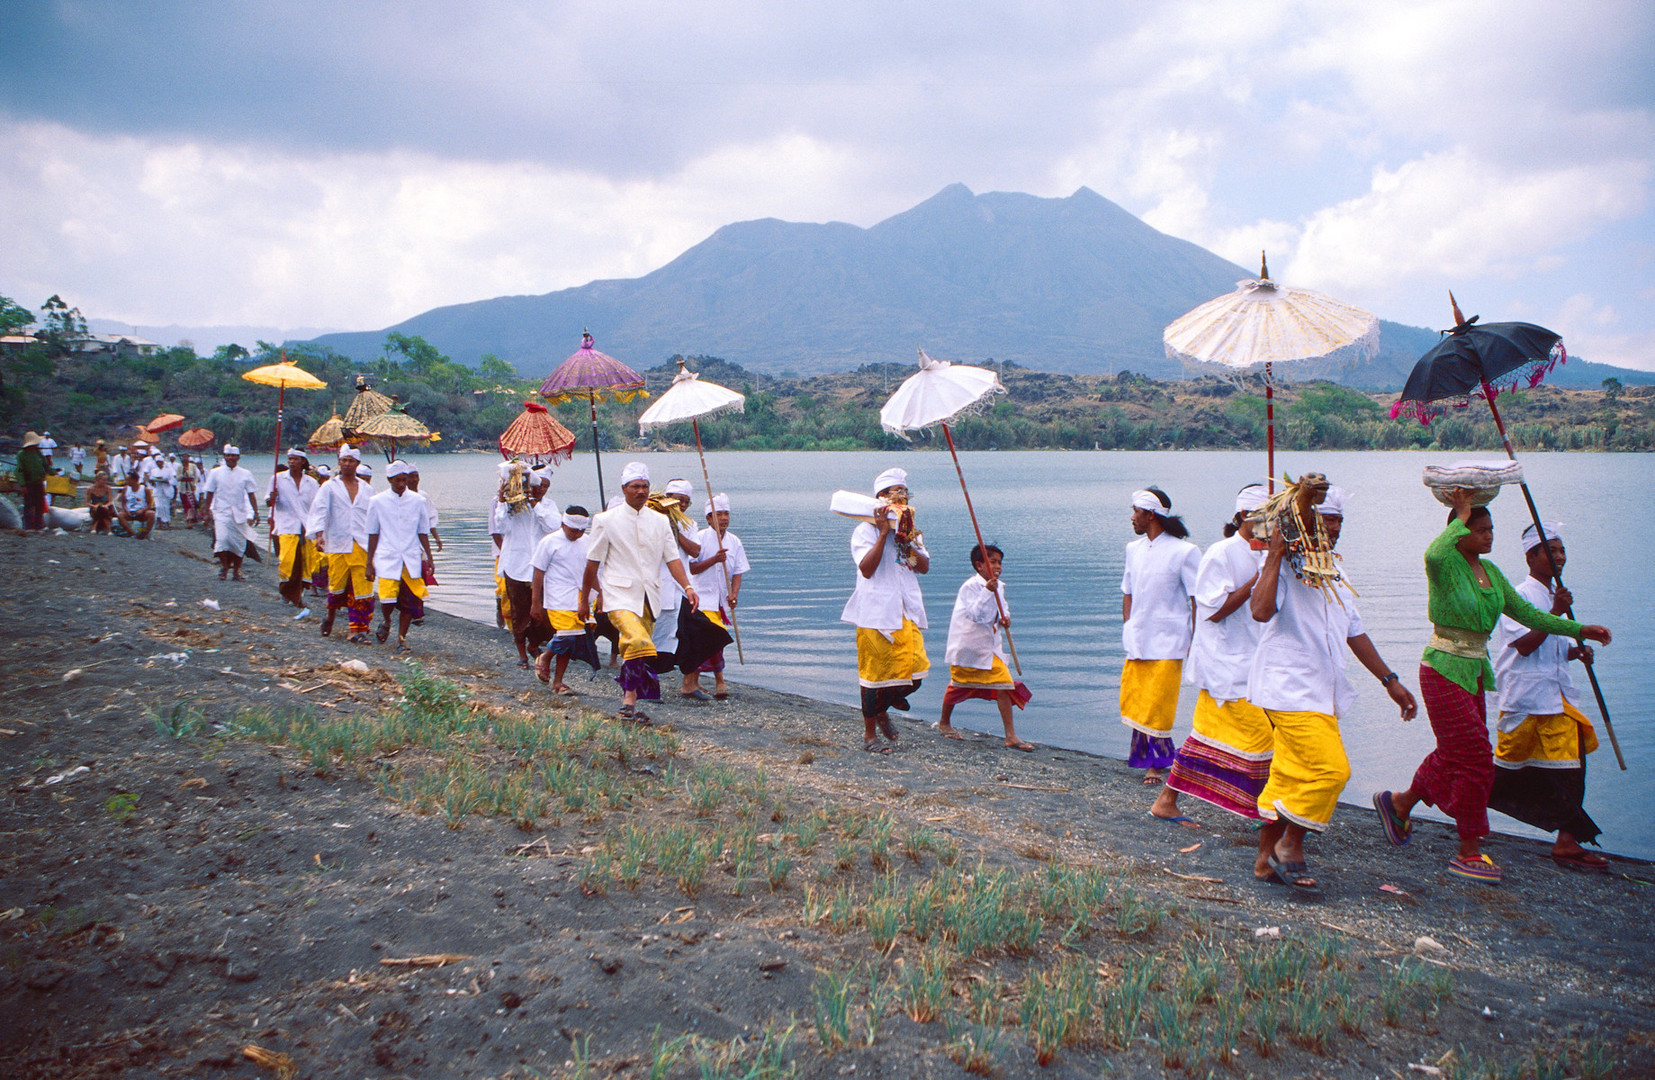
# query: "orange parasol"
196, 439
537, 436
164, 422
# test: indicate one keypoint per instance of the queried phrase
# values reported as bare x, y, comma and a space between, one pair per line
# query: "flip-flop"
698, 695
1481, 869
1582, 860
1179, 820
524, 664
1398, 830
887, 726
627, 712
358, 639
382, 633
1297, 875
874, 746
567, 691
1025, 747
722, 695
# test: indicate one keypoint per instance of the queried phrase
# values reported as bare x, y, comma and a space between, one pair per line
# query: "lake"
1062, 518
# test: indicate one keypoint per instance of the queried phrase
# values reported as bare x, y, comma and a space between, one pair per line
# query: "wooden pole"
592, 403
1010, 647
1270, 426
735, 631
1557, 576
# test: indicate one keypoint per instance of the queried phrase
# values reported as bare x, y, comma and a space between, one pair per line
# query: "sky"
351, 165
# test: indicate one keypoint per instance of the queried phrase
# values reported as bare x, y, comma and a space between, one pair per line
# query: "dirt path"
180, 896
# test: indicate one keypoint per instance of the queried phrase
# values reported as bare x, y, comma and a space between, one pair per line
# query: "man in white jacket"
339, 524
399, 550
976, 663
289, 496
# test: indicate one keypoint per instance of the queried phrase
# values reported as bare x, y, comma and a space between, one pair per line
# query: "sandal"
327, 623
1581, 860
1019, 744
1296, 874
874, 746
383, 632
358, 639
722, 695
1188, 822
1398, 830
1480, 869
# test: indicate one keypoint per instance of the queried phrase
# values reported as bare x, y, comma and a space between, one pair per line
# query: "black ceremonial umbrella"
1474, 361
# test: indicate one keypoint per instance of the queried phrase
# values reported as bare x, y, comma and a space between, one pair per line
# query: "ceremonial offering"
662, 503
514, 487
1483, 478
854, 504
1292, 511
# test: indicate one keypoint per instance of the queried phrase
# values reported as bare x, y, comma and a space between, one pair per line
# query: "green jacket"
31, 465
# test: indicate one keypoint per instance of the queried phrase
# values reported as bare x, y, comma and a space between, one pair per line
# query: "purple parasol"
592, 375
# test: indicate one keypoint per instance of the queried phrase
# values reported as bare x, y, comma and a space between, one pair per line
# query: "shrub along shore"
251, 854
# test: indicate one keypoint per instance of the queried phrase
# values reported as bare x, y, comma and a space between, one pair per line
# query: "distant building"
115, 345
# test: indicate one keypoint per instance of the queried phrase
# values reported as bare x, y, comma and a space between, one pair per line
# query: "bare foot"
947, 731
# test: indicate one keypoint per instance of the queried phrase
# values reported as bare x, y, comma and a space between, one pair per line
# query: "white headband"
1531, 539
720, 501
679, 487
577, 521
890, 478
541, 475
635, 470
1145, 499
349, 451
1250, 498
296, 452
1334, 503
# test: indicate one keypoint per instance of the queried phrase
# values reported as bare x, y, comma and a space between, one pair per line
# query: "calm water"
1062, 519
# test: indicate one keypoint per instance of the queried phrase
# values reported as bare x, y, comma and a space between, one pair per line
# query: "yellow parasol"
283, 375
330, 436
395, 426
367, 404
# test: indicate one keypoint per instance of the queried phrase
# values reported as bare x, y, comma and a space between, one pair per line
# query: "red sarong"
1458, 775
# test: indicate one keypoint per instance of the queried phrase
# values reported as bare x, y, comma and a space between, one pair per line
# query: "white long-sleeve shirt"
293, 502
1160, 577
520, 534
1301, 657
1537, 684
974, 628
230, 489
1221, 655
338, 519
881, 602
399, 521
630, 546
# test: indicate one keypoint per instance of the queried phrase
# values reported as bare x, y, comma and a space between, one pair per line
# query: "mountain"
1075, 285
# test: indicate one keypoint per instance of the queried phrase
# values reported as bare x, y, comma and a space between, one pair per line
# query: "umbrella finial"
1459, 320
1263, 267
586, 341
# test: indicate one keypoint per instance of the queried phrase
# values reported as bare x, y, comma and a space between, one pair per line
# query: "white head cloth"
890, 478
396, 468
577, 521
1144, 499
364, 469
228, 450
680, 487
323, 471
298, 451
542, 475
1531, 539
1334, 504
614, 501
635, 470
349, 451
720, 501
1250, 498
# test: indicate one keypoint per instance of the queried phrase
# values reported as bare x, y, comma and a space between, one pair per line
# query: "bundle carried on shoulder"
514, 485
1292, 511
1483, 478
854, 504
662, 503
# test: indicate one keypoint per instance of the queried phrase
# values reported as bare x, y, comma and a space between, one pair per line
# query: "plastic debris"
1394, 890
1489, 1014
68, 777
72, 674
1267, 931
210, 605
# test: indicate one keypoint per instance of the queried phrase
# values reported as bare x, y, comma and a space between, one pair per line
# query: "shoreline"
244, 892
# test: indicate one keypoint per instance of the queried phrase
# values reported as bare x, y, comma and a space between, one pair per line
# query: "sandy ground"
170, 902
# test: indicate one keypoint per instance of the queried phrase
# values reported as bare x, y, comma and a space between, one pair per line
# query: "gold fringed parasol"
330, 436
392, 427
367, 404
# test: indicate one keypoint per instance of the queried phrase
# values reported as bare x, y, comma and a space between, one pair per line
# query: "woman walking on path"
1467, 596
1540, 754
1158, 617
1226, 758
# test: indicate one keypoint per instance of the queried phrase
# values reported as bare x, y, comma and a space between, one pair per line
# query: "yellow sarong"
637, 633
291, 547
565, 623
717, 617
349, 572
1308, 770
1548, 741
1238, 726
997, 677
896, 661
390, 588
1149, 695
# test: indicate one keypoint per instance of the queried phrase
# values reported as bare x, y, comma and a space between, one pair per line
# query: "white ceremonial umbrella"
1264, 323
688, 398
939, 393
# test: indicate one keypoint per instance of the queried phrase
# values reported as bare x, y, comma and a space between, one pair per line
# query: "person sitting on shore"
230, 496
718, 572
1157, 621
627, 546
888, 611
976, 661
559, 564
100, 500
1226, 758
1298, 679
1465, 599
1540, 756
136, 508
399, 550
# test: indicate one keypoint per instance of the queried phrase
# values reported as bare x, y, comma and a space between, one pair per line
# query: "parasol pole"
1557, 576
1270, 425
592, 403
281, 397
695, 425
1010, 647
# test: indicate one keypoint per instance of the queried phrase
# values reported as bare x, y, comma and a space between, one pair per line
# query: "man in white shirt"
627, 547
399, 551
1226, 758
77, 457
1298, 679
1158, 620
339, 525
686, 635
290, 495
1543, 736
517, 529
163, 478
47, 445
231, 497
717, 572
559, 567
436, 518
888, 610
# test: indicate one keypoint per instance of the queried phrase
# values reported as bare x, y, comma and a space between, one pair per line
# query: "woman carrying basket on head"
1466, 599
